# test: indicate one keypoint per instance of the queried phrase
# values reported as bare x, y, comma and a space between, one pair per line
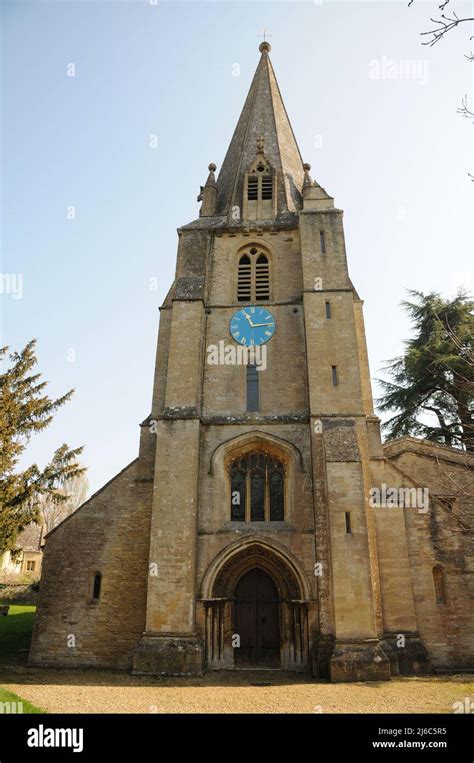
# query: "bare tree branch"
445, 25
465, 110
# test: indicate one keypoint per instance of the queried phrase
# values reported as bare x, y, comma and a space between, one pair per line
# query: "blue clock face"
252, 326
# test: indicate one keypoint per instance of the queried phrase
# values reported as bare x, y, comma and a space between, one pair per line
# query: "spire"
263, 122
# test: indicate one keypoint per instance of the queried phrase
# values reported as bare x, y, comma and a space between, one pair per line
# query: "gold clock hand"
248, 318
255, 325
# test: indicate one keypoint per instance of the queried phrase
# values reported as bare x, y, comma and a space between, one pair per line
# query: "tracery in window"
253, 276
257, 488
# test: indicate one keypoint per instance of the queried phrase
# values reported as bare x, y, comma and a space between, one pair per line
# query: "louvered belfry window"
244, 281
260, 186
252, 188
262, 278
260, 189
267, 186
253, 278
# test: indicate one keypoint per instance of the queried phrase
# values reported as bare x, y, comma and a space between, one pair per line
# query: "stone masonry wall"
110, 535
438, 538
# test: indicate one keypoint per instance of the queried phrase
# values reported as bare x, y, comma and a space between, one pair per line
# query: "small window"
260, 186
30, 566
347, 516
328, 309
97, 586
267, 183
334, 376
244, 280
322, 241
439, 586
262, 279
252, 188
253, 401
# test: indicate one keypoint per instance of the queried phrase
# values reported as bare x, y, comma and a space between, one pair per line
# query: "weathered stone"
350, 578
168, 656
359, 661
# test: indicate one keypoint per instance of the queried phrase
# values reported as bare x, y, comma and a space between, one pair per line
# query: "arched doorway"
257, 620
278, 589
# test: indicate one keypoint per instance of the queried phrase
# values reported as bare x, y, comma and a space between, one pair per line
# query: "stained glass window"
257, 488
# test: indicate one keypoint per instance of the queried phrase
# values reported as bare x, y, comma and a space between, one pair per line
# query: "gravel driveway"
82, 691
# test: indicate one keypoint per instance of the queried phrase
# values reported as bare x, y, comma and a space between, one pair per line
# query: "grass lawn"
15, 637
25, 707
15, 633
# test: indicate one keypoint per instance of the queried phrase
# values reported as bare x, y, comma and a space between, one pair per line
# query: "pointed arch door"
257, 620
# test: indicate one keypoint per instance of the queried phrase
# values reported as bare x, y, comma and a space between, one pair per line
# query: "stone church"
246, 533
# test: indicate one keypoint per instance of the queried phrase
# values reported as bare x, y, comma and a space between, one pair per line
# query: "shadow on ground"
24, 674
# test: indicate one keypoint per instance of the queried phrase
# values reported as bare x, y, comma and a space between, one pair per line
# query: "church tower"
246, 534
262, 544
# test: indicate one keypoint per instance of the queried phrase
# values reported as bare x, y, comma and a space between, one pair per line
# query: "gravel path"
81, 691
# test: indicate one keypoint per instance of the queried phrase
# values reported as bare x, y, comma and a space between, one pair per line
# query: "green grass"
15, 633
8, 696
15, 637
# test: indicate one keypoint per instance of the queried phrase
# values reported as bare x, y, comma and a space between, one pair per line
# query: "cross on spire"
264, 35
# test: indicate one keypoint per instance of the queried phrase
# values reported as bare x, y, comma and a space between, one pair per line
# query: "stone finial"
315, 198
265, 47
308, 181
208, 194
211, 180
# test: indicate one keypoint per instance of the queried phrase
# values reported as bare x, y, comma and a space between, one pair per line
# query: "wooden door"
257, 620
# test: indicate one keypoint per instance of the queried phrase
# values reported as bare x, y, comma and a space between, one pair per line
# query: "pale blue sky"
393, 152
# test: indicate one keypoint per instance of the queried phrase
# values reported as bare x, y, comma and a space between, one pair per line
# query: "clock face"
252, 326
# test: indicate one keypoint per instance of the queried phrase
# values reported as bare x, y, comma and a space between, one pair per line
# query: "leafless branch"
465, 110
445, 25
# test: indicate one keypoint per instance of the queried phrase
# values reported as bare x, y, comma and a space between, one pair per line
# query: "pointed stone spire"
263, 117
208, 194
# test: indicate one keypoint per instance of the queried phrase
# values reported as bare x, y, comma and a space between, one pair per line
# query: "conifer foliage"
432, 384
26, 409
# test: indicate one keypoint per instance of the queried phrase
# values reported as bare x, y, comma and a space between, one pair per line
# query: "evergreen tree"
26, 409
435, 375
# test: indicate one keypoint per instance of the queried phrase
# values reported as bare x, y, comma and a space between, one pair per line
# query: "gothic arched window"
253, 277
257, 482
260, 188
260, 184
